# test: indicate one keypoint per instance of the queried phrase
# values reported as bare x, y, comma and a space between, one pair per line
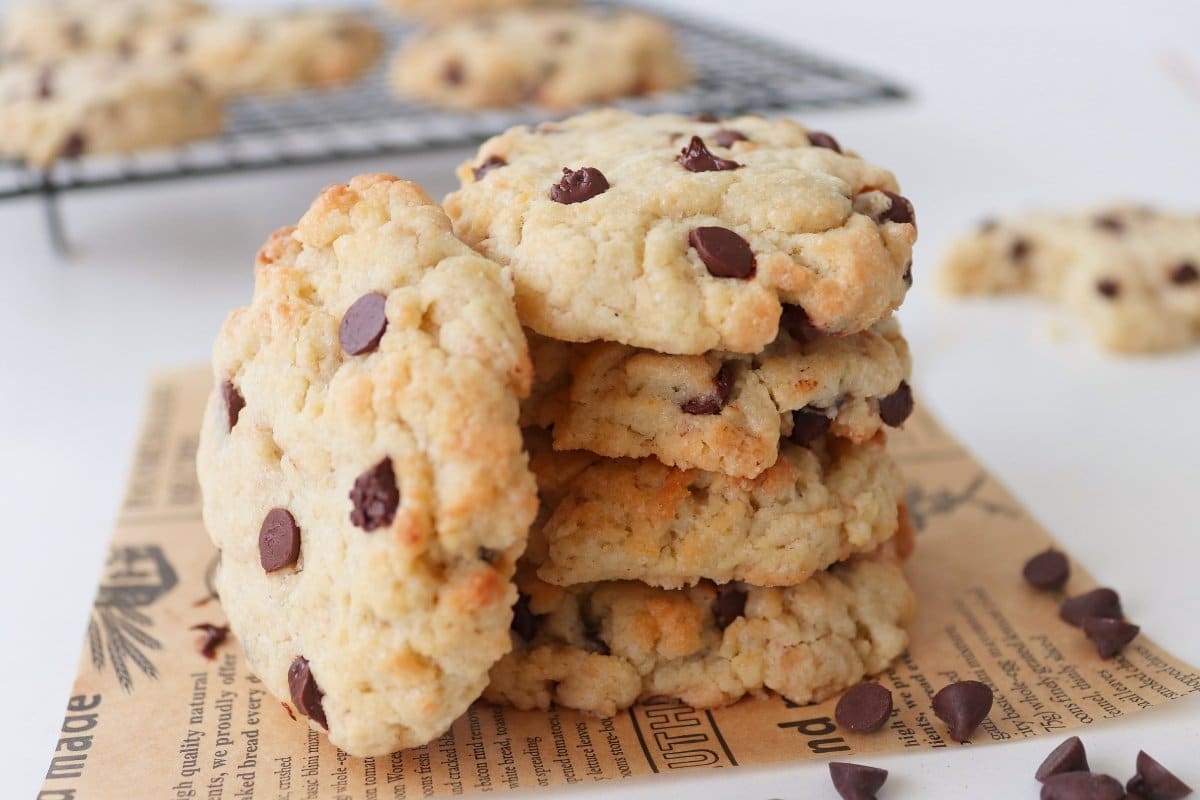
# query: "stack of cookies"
709, 310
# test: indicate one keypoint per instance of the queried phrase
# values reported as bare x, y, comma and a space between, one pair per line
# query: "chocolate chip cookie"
454, 9
39, 31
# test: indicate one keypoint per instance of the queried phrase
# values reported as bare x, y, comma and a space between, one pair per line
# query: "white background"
1018, 104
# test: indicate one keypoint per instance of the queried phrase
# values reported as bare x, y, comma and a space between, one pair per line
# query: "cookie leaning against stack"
711, 306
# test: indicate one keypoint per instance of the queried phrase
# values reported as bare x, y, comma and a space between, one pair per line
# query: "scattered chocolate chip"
74, 146
988, 225
234, 403
579, 185
524, 623
75, 33
1108, 288
179, 44
375, 497
452, 73
1096, 603
1019, 250
712, 402
856, 781
697, 158
1153, 781
1048, 570
364, 324
864, 708
125, 49
45, 84
729, 604
1184, 274
306, 695
1082, 786
1109, 222
488, 555
897, 406
808, 425
907, 276
822, 139
490, 163
901, 209
705, 116
1067, 757
561, 36
214, 637
726, 137
1109, 635
963, 706
278, 540
726, 254
795, 321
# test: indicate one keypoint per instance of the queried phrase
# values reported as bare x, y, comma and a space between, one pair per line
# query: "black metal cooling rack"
737, 72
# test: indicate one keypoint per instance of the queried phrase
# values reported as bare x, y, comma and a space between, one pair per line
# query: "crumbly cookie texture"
722, 412
43, 30
548, 57
627, 229
1133, 274
604, 646
362, 468
636, 519
267, 52
453, 9
101, 104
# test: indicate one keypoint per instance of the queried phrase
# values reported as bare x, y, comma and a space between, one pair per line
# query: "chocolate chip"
214, 636
901, 209
1184, 274
856, 781
488, 555
490, 163
808, 425
897, 406
1108, 288
524, 623
306, 695
697, 158
45, 84
74, 146
1109, 222
712, 402
375, 497
963, 706
1082, 786
278, 540
234, 403
364, 324
75, 33
1109, 635
907, 276
579, 185
795, 321
1096, 603
864, 708
125, 49
822, 139
726, 254
1153, 781
452, 73
726, 137
988, 225
1067, 757
1019, 250
561, 36
1048, 570
705, 116
729, 604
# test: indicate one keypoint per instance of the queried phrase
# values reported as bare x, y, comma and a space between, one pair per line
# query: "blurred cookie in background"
556, 58
452, 9
49, 31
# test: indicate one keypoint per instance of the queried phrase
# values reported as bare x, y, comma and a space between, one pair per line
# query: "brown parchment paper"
150, 717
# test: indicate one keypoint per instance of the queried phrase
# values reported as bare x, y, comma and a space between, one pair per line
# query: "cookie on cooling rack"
40, 31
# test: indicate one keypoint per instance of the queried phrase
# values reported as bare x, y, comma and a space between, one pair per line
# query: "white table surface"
1018, 104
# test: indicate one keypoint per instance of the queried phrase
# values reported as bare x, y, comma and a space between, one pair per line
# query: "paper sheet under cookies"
150, 717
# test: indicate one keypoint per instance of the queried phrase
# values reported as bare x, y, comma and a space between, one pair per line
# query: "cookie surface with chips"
452, 9
38, 31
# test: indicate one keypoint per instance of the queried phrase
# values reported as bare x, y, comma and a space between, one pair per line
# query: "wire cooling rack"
736, 73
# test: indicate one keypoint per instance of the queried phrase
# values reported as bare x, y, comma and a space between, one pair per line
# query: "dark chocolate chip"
214, 636
561, 36
864, 708
179, 44
988, 225
1019, 251
726, 254
1185, 273
375, 497
822, 139
1047, 570
1096, 603
1153, 781
278, 540
75, 33
524, 623
1067, 757
74, 146
963, 706
795, 321
1108, 288
897, 406
1110, 222
45, 85
712, 402
705, 116
364, 324
1082, 786
488, 555
808, 425
234, 403
452, 73
306, 694
726, 137
1109, 635
901, 209
579, 185
697, 158
856, 781
907, 276
730, 603
125, 49
490, 163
